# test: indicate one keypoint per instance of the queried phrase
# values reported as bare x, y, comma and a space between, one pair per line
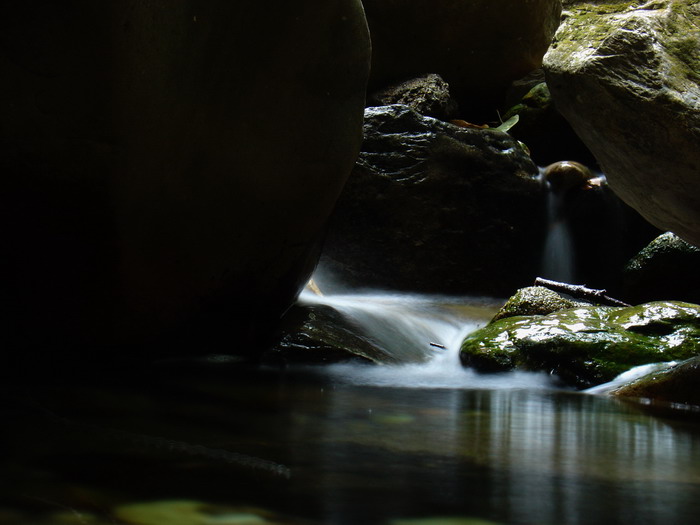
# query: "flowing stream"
209, 441
424, 332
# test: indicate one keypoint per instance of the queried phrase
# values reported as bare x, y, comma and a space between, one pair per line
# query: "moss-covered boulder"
534, 300
586, 346
676, 383
626, 75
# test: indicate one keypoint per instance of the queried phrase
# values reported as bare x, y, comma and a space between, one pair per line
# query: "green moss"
534, 300
587, 345
684, 50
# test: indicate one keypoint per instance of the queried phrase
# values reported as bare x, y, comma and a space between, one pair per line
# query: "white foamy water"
404, 326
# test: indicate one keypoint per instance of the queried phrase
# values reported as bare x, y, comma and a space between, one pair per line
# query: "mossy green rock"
626, 75
677, 383
534, 300
586, 346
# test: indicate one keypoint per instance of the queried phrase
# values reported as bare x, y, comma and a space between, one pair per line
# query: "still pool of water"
219, 443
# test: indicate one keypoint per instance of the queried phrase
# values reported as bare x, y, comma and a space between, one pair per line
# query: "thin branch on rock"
579, 291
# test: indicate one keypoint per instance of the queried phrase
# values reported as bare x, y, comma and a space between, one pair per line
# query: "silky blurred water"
213, 441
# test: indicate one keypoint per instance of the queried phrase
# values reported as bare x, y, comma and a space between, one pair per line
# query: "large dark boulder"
434, 207
625, 76
168, 166
477, 46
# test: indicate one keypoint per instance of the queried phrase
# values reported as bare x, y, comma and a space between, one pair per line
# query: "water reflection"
356, 453
517, 456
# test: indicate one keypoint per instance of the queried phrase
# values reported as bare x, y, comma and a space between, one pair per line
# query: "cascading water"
558, 257
562, 181
423, 332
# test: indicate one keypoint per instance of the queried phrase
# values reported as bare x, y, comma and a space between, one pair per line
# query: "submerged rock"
434, 207
626, 77
429, 95
168, 167
676, 383
667, 267
589, 345
478, 46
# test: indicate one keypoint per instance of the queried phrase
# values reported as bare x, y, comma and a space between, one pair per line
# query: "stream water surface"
213, 441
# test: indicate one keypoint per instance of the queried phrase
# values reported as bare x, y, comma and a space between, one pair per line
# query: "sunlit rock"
534, 300
168, 167
435, 207
625, 75
477, 46
590, 345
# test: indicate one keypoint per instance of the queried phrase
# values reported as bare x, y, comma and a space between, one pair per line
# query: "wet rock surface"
676, 383
437, 208
535, 300
625, 76
585, 346
314, 334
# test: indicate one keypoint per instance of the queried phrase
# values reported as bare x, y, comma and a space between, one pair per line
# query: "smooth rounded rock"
626, 78
168, 166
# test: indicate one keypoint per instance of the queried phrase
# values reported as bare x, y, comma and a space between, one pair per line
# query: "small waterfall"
558, 257
404, 326
565, 182
408, 328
